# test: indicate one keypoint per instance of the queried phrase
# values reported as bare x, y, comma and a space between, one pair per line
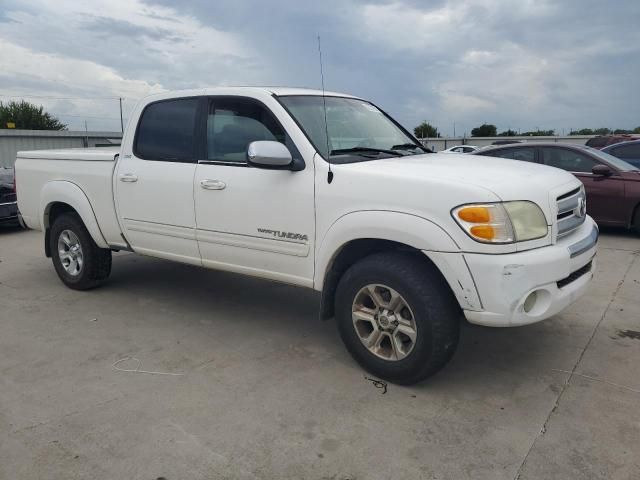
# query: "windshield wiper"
364, 150
406, 146
411, 146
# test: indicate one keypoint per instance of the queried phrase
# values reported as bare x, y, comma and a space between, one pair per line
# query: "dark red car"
602, 141
612, 185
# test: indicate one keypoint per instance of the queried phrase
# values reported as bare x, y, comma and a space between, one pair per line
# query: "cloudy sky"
521, 64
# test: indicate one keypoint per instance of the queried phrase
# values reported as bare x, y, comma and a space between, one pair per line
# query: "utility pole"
121, 121
86, 133
454, 129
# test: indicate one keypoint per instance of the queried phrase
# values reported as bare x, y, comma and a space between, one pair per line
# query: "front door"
154, 182
252, 220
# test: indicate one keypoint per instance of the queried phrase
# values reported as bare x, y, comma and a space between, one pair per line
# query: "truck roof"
247, 90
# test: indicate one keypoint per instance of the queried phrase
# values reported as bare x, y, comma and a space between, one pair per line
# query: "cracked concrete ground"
268, 391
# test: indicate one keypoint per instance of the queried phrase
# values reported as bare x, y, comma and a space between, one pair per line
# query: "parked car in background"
612, 185
627, 151
460, 149
8, 203
602, 141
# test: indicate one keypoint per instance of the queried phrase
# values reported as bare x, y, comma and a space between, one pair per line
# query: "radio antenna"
324, 108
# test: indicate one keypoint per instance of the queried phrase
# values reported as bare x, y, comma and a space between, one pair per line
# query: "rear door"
605, 194
154, 182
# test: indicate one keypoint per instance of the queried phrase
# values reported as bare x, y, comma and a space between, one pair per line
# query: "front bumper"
558, 274
8, 212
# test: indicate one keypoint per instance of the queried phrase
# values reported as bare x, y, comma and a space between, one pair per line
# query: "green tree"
602, 131
27, 116
583, 131
426, 130
622, 131
485, 130
540, 133
508, 133
636, 130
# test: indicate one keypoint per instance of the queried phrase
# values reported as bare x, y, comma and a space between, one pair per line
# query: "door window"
166, 131
568, 160
524, 154
627, 151
232, 124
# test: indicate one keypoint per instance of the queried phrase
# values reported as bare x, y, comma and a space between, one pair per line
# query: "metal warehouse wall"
437, 144
12, 141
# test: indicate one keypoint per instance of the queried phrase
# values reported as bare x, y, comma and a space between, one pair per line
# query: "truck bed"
90, 169
106, 154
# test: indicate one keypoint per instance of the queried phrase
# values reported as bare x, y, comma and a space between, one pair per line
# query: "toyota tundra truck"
323, 191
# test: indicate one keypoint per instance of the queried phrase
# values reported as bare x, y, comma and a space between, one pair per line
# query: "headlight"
505, 222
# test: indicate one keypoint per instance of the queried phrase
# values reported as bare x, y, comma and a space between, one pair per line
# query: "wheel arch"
359, 234
60, 197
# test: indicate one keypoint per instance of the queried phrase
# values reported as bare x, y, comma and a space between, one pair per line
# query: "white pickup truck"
328, 192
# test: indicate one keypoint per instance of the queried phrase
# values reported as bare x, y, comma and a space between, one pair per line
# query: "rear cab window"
166, 131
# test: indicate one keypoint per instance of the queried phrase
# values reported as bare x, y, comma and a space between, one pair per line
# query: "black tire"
436, 313
636, 221
96, 265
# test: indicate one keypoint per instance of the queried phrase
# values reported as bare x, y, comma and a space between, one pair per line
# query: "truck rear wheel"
397, 317
78, 261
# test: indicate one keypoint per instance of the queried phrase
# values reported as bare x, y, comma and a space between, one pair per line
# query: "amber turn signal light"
475, 214
486, 232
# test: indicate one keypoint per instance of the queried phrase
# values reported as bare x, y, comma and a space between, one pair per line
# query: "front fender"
62, 191
408, 229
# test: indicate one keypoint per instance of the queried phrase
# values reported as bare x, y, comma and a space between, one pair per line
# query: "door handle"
212, 184
128, 177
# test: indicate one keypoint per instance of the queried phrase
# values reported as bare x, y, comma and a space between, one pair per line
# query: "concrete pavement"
267, 390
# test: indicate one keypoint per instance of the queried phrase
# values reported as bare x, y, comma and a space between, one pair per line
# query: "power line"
83, 116
66, 98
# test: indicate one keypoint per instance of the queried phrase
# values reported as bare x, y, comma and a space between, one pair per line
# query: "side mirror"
269, 154
601, 169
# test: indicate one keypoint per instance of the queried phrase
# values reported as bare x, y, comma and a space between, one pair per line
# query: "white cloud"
519, 64
121, 48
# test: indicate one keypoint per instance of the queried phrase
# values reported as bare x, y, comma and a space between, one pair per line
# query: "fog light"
530, 301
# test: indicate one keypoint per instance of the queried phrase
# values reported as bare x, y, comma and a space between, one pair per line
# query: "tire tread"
426, 284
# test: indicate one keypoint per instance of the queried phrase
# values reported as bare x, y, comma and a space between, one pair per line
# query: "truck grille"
572, 210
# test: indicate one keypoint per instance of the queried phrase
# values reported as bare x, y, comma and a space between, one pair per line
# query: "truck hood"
507, 179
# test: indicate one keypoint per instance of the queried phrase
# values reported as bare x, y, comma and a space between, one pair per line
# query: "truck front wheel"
397, 317
78, 261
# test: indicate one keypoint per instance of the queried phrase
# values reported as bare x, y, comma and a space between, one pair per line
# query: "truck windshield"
356, 128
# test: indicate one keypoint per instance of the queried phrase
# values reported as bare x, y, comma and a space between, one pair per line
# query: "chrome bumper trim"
584, 244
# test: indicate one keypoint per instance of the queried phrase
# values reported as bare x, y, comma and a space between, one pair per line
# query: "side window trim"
194, 152
205, 105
